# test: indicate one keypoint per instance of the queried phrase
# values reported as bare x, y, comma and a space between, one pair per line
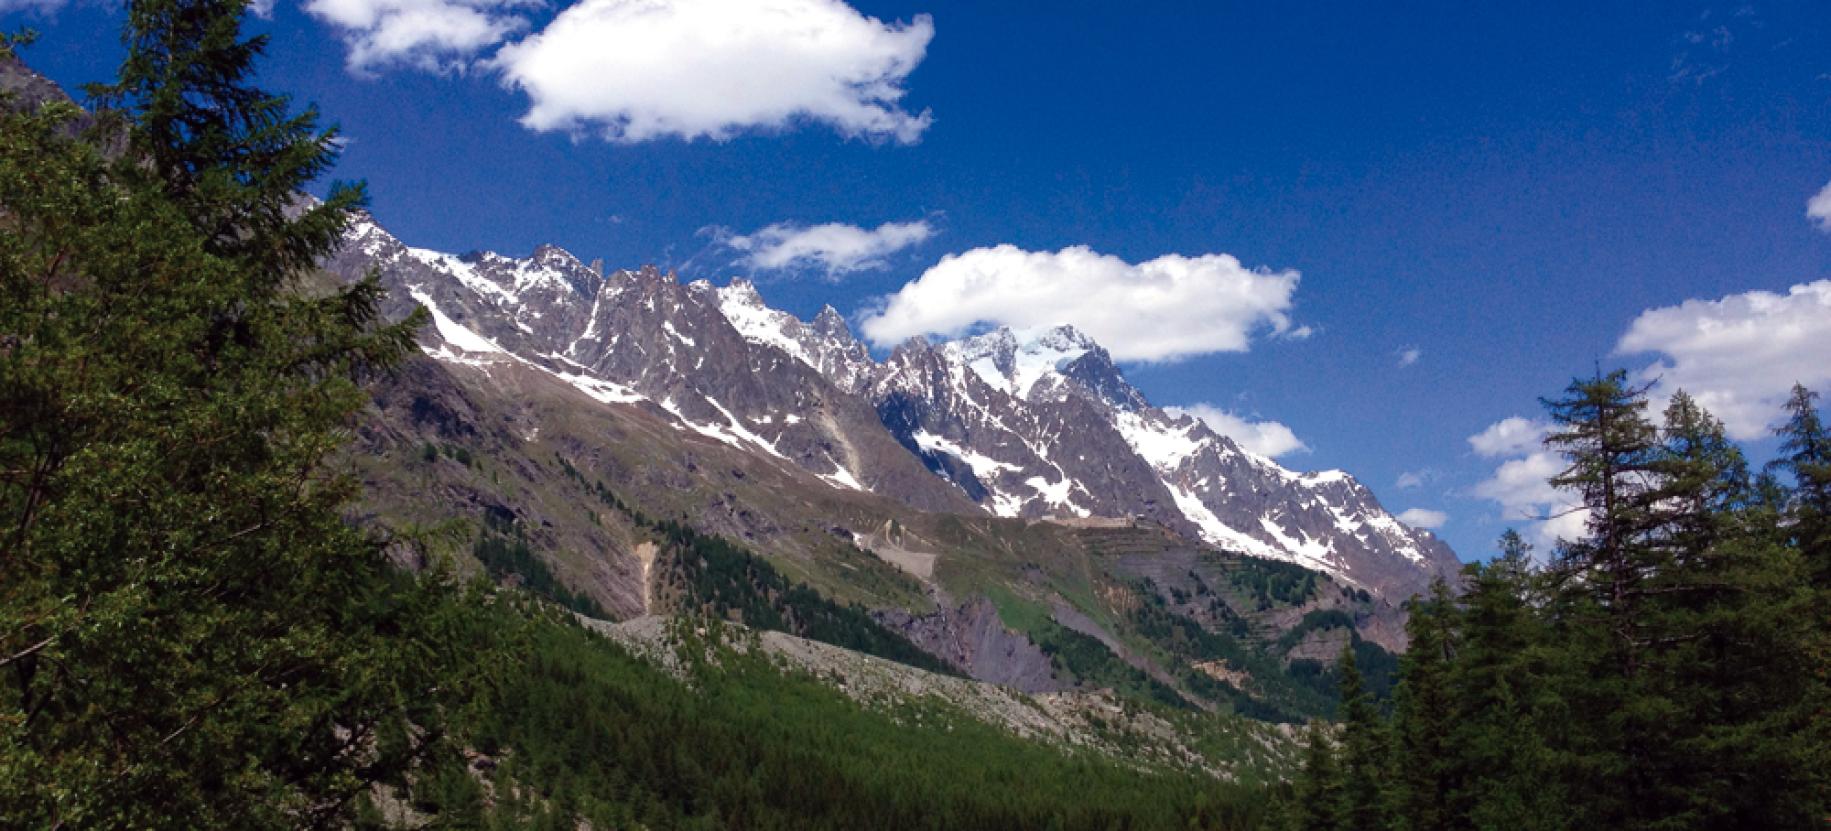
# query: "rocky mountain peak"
1032, 423
741, 291
829, 323
826, 344
553, 256
1013, 361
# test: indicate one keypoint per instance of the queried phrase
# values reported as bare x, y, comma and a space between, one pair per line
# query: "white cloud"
634, 70
1416, 478
835, 248
1818, 208
425, 34
1509, 437
1164, 309
1266, 438
1523, 490
1409, 355
1740, 355
1423, 518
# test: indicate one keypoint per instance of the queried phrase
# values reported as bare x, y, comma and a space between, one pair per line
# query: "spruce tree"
1737, 635
1366, 754
1424, 714
1805, 454
194, 636
1505, 707
1319, 799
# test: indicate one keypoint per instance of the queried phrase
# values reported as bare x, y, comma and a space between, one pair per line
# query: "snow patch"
453, 332
843, 478
983, 466
1164, 446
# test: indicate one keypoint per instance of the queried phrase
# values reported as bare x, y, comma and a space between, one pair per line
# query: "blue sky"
1508, 193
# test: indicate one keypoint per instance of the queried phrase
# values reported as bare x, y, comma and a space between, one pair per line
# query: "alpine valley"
1005, 507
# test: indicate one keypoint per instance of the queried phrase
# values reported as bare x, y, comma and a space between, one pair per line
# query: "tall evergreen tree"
1318, 794
1737, 634
1604, 434
1600, 595
1366, 754
1424, 716
1504, 769
1805, 454
191, 634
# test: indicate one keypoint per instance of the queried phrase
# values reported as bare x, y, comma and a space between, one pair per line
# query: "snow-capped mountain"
1036, 424
1043, 423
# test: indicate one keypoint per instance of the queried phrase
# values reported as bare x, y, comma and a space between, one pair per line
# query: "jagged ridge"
1036, 424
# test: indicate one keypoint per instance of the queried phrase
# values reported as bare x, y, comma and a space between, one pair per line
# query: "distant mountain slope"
1031, 424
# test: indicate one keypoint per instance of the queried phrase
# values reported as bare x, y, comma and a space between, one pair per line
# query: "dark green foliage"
504, 551
1424, 715
586, 730
1805, 456
1378, 667
1279, 692
194, 637
1668, 670
1272, 583
1094, 665
718, 578
1366, 754
1319, 802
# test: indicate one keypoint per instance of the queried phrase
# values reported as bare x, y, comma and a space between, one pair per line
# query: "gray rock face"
1044, 423
972, 637
1029, 424
641, 338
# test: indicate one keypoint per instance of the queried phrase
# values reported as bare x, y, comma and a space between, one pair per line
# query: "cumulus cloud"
633, 70
834, 248
1739, 355
1509, 437
1409, 355
424, 34
1164, 309
1266, 438
1522, 486
1818, 209
1423, 518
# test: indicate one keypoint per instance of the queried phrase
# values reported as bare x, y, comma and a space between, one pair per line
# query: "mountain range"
1036, 425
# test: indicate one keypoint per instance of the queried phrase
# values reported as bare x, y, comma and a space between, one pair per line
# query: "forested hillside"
196, 636
1667, 669
204, 625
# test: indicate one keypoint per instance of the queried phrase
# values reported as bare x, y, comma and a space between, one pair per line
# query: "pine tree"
193, 636
1424, 716
1366, 754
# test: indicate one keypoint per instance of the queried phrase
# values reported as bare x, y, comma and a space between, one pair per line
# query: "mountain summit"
1038, 424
